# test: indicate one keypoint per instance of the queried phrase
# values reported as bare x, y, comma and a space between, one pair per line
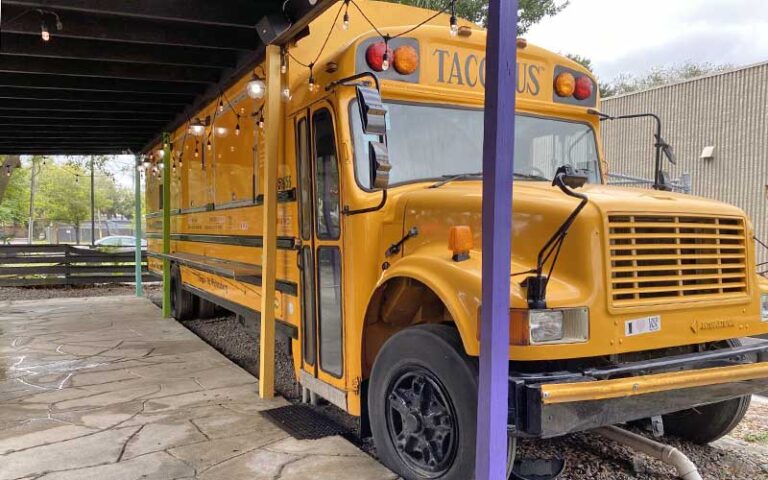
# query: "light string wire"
386, 37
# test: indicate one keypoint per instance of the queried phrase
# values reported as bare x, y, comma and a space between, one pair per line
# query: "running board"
328, 392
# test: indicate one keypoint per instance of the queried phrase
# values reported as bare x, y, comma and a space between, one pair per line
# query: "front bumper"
550, 405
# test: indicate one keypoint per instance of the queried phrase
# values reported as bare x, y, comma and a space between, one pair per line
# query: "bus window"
326, 177
329, 285
305, 179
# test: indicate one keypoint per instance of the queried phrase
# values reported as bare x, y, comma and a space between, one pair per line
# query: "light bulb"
283, 64
44, 33
261, 123
237, 129
256, 88
385, 60
209, 146
221, 106
345, 22
287, 95
454, 26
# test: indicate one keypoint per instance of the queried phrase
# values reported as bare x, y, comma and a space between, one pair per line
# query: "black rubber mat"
302, 422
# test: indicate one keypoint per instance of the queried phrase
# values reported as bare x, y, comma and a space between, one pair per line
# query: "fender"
457, 284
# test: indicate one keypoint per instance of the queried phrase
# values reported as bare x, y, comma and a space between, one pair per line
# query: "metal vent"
658, 258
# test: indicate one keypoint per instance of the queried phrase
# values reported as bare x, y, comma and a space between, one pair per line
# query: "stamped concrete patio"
97, 388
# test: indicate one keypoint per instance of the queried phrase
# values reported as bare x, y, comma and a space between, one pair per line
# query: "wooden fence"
39, 265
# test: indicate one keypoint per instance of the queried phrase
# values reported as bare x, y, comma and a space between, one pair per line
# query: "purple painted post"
498, 168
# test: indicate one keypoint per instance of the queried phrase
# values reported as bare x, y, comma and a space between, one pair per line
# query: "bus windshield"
428, 142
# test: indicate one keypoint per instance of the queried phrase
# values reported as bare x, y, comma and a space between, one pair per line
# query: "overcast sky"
631, 36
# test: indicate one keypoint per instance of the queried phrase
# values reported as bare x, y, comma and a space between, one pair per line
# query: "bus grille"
663, 258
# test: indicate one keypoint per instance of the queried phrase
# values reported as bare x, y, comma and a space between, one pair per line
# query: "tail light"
574, 87
374, 56
584, 88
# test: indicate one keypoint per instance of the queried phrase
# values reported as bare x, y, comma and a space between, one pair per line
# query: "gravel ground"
105, 290
743, 455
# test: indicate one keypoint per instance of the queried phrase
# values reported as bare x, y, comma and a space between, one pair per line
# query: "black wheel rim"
421, 422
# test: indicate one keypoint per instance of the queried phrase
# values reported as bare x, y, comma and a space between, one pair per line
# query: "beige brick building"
718, 127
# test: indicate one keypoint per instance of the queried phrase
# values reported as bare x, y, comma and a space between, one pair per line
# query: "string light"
454, 22
7, 170
237, 127
312, 83
287, 94
208, 145
181, 160
221, 105
345, 21
44, 33
385, 56
77, 178
283, 62
197, 152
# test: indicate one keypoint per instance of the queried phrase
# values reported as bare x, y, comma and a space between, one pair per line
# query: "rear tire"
183, 303
422, 401
707, 423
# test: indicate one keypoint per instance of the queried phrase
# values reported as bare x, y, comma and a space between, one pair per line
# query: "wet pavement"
95, 388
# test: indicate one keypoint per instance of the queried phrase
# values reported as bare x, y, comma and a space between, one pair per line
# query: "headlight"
764, 307
551, 326
546, 325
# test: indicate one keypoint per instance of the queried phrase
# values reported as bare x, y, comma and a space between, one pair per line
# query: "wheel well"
397, 304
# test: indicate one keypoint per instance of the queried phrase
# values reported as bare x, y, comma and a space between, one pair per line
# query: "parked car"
123, 242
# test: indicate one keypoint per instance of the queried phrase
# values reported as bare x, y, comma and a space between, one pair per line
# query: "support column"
93, 205
166, 224
137, 227
498, 168
272, 120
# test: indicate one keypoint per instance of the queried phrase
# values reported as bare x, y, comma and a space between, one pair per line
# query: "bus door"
320, 255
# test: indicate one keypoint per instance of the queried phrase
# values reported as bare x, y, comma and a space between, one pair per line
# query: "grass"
761, 437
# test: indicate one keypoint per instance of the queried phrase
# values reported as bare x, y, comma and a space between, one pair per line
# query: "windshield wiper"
451, 178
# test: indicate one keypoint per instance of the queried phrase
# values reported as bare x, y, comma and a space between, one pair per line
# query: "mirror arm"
378, 207
347, 81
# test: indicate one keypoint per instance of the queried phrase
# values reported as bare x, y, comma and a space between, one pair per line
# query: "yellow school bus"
626, 304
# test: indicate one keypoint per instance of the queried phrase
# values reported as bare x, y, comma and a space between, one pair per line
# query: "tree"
606, 89
665, 75
65, 195
531, 11
14, 208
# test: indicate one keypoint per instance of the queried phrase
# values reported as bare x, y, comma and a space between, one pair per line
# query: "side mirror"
380, 166
372, 112
571, 177
667, 149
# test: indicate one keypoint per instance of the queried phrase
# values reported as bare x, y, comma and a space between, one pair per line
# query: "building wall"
728, 111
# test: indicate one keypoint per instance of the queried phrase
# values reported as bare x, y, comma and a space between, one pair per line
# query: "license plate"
639, 326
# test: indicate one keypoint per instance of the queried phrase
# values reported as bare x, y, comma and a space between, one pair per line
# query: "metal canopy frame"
120, 73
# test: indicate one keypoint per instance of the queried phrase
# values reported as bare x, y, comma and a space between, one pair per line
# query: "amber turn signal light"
565, 84
460, 242
406, 60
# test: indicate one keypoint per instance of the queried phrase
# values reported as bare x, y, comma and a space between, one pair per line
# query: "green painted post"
166, 224
137, 228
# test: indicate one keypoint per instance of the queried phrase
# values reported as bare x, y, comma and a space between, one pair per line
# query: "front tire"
423, 404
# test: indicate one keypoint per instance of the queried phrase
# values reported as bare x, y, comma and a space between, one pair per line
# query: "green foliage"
665, 75
64, 195
531, 11
14, 208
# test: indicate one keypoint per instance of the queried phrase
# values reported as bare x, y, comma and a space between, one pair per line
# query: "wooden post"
272, 121
137, 229
498, 168
166, 225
